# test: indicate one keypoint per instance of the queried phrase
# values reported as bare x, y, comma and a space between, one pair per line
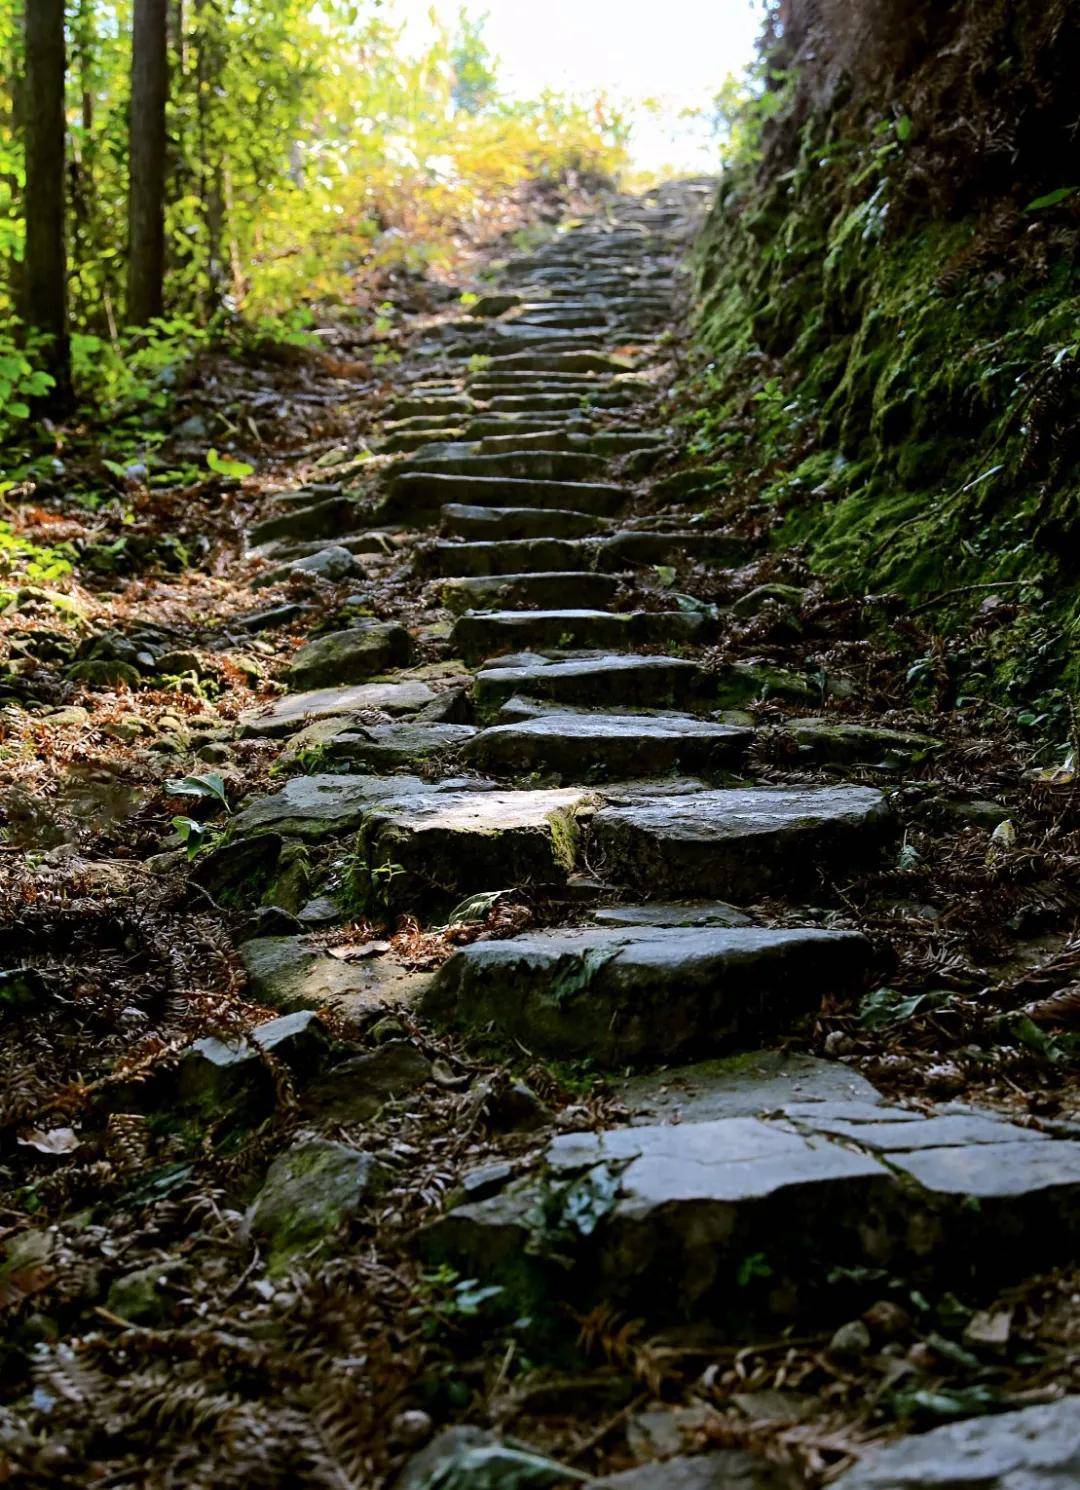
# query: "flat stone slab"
504, 592
320, 806
608, 746
390, 747
673, 913
660, 1219
298, 709
350, 656
738, 843
508, 556
638, 995
727, 1469
288, 972
418, 493
485, 523
753, 1084
608, 681
463, 459
484, 633
1035, 1448
823, 740
439, 841
629, 549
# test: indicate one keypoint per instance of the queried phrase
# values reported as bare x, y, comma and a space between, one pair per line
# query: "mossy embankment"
888, 321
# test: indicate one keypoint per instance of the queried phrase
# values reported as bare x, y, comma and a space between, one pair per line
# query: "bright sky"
679, 51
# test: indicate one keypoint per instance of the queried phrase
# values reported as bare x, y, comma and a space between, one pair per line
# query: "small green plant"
447, 1301
365, 887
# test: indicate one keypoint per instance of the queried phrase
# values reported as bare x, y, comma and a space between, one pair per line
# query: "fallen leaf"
55, 1141
359, 951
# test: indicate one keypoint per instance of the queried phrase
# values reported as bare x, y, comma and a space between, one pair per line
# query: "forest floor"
489, 941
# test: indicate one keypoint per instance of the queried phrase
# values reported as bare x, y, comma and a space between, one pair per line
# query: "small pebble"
851, 1340
412, 1428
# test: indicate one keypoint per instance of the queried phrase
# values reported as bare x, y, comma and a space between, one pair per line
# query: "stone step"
351, 656
631, 548
511, 592
430, 406
498, 424
297, 710
408, 442
430, 844
737, 844
601, 681
672, 1212
510, 556
483, 634
594, 747
644, 995
571, 362
319, 520
419, 494
463, 459
516, 522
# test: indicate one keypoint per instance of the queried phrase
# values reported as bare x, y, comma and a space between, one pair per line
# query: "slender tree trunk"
146, 209
11, 125
45, 272
211, 170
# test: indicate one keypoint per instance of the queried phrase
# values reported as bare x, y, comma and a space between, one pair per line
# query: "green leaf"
1051, 199
903, 128
193, 834
208, 785
225, 467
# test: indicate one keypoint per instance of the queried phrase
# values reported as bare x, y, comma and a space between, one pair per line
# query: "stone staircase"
579, 742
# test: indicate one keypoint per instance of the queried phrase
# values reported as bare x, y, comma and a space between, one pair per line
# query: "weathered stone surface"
509, 592
607, 681
487, 523
482, 633
387, 747
460, 842
314, 807
144, 1296
673, 913
355, 1090
310, 1192
824, 740
648, 994
351, 656
729, 1469
473, 1459
508, 556
299, 709
738, 843
417, 494
529, 465
288, 972
754, 1084
1036, 1448
213, 1073
332, 563
598, 746
323, 519
628, 549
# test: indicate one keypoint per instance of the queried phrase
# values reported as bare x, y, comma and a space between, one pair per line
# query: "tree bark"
146, 204
211, 173
45, 269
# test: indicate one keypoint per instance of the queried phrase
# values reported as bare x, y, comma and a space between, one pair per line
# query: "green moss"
902, 397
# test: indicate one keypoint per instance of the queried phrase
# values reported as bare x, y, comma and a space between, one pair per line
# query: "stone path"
574, 738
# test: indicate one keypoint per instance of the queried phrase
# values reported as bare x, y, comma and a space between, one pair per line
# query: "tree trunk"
146, 208
211, 175
45, 270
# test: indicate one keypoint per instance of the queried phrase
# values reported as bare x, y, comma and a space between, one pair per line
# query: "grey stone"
631, 548
822, 740
319, 806
508, 556
673, 913
462, 842
594, 746
508, 592
350, 656
643, 995
754, 601
749, 1085
482, 633
738, 843
355, 1090
417, 494
332, 563
516, 522
310, 1192
296, 710
320, 520
213, 1073
727, 1469
288, 972
1036, 1448
387, 747
606, 681
473, 1459
142, 1296
531, 465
